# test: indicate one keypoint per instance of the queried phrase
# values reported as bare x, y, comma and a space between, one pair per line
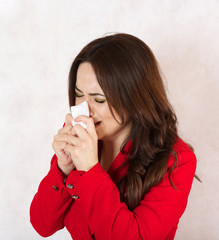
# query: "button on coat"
56, 188
100, 214
70, 186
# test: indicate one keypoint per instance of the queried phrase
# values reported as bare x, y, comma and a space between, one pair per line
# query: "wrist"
88, 168
65, 169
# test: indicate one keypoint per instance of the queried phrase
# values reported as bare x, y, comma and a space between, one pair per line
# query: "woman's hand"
60, 140
83, 147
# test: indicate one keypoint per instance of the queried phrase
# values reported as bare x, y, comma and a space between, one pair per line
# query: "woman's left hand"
83, 147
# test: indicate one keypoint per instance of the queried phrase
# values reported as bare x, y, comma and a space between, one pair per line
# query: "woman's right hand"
65, 162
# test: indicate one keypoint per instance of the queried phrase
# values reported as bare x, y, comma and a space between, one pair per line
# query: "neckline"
118, 160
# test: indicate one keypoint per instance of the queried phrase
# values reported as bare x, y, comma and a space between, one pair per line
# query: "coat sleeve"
157, 214
50, 203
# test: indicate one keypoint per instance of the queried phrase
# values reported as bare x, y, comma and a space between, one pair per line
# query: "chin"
99, 137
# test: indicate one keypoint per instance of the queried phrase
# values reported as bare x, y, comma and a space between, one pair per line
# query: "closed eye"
99, 101
96, 99
78, 95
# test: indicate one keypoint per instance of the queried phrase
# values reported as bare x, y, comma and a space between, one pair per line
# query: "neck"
111, 147
109, 151
114, 144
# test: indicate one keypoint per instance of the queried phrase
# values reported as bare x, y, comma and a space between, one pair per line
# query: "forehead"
86, 79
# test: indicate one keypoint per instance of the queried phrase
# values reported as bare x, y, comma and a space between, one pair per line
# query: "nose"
91, 113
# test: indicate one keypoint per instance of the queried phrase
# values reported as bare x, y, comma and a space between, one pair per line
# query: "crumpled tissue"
81, 109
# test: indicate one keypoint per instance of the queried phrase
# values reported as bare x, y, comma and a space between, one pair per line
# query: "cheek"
102, 111
110, 120
107, 115
79, 101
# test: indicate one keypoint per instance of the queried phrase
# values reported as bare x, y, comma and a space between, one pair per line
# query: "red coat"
88, 203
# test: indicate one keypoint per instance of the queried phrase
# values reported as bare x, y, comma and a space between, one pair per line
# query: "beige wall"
38, 41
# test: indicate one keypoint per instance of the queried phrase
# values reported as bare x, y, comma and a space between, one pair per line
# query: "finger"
67, 138
72, 132
70, 149
81, 132
65, 129
58, 147
88, 121
62, 154
68, 119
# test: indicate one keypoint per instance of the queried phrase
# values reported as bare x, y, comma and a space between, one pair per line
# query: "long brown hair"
128, 74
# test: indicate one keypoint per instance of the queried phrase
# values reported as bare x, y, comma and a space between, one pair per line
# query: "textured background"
39, 40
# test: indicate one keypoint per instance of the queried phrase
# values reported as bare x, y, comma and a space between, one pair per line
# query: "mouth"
97, 124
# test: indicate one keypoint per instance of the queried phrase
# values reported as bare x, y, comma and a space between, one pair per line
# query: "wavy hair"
128, 74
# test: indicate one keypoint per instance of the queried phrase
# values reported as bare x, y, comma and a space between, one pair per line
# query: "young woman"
128, 175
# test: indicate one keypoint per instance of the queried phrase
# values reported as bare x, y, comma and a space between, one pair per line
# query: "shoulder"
180, 145
182, 152
183, 160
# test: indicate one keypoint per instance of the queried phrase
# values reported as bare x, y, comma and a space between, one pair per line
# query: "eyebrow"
91, 94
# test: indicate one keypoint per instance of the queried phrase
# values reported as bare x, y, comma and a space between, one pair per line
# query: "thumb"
88, 121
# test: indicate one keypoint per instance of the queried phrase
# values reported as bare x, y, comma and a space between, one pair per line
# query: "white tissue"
81, 109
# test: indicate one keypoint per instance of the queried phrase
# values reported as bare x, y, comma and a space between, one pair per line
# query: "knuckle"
54, 145
68, 117
68, 138
55, 137
68, 128
65, 147
77, 127
72, 131
60, 130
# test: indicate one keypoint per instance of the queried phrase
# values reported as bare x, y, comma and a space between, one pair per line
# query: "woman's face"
88, 89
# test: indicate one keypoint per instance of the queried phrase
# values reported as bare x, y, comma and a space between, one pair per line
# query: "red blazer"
88, 203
